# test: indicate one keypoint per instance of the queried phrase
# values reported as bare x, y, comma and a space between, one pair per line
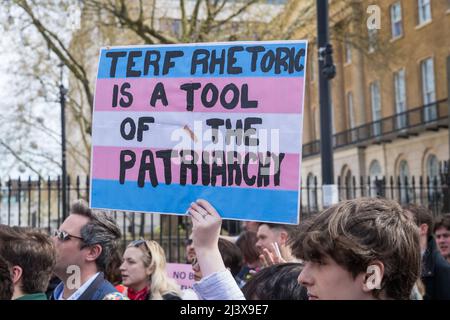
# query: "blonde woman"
144, 273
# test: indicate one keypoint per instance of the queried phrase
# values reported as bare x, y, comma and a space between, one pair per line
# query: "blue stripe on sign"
182, 67
230, 202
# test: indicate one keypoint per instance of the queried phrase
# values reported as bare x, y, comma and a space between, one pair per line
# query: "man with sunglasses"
84, 243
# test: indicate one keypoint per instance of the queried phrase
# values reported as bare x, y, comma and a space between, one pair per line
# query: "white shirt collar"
80, 290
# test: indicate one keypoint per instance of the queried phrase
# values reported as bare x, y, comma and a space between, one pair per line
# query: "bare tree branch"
19, 158
184, 23
56, 45
194, 18
233, 15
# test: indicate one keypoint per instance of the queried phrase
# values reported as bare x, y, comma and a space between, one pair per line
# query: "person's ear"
16, 274
374, 276
283, 238
150, 269
94, 252
423, 229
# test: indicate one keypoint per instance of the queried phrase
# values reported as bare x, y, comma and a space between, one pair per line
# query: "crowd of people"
367, 248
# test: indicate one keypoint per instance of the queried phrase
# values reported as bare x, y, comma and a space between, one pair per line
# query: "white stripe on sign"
190, 131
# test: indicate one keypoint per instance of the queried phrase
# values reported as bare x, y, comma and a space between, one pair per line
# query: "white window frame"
312, 194
396, 20
424, 11
347, 51
432, 173
175, 26
375, 175
400, 97
351, 111
403, 170
375, 100
375, 166
351, 116
432, 168
372, 38
428, 88
428, 80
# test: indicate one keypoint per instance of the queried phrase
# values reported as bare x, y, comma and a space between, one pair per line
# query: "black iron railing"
432, 192
432, 116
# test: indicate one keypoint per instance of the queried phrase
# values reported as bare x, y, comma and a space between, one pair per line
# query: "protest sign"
181, 273
218, 121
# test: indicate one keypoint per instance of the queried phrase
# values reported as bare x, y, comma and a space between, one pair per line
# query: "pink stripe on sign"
106, 165
274, 95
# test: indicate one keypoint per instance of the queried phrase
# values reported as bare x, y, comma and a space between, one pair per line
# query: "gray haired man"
84, 243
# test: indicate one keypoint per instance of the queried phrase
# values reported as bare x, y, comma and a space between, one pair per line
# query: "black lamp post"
62, 101
327, 71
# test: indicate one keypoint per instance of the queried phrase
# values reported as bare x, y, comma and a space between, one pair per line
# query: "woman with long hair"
144, 273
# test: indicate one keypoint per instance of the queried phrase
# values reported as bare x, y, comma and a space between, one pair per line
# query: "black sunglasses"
138, 243
65, 236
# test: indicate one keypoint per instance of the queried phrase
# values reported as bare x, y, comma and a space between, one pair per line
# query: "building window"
433, 179
176, 27
405, 190
396, 20
351, 113
346, 183
376, 182
373, 39
312, 192
351, 117
348, 50
349, 185
424, 11
432, 166
375, 169
404, 169
400, 98
428, 90
376, 108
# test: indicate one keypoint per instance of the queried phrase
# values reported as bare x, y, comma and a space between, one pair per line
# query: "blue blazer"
97, 290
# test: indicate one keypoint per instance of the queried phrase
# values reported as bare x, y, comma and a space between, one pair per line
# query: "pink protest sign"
182, 273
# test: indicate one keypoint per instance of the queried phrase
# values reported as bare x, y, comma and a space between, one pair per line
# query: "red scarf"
137, 295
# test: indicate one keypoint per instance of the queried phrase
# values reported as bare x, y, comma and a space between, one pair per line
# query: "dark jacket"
170, 296
98, 289
54, 282
435, 273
